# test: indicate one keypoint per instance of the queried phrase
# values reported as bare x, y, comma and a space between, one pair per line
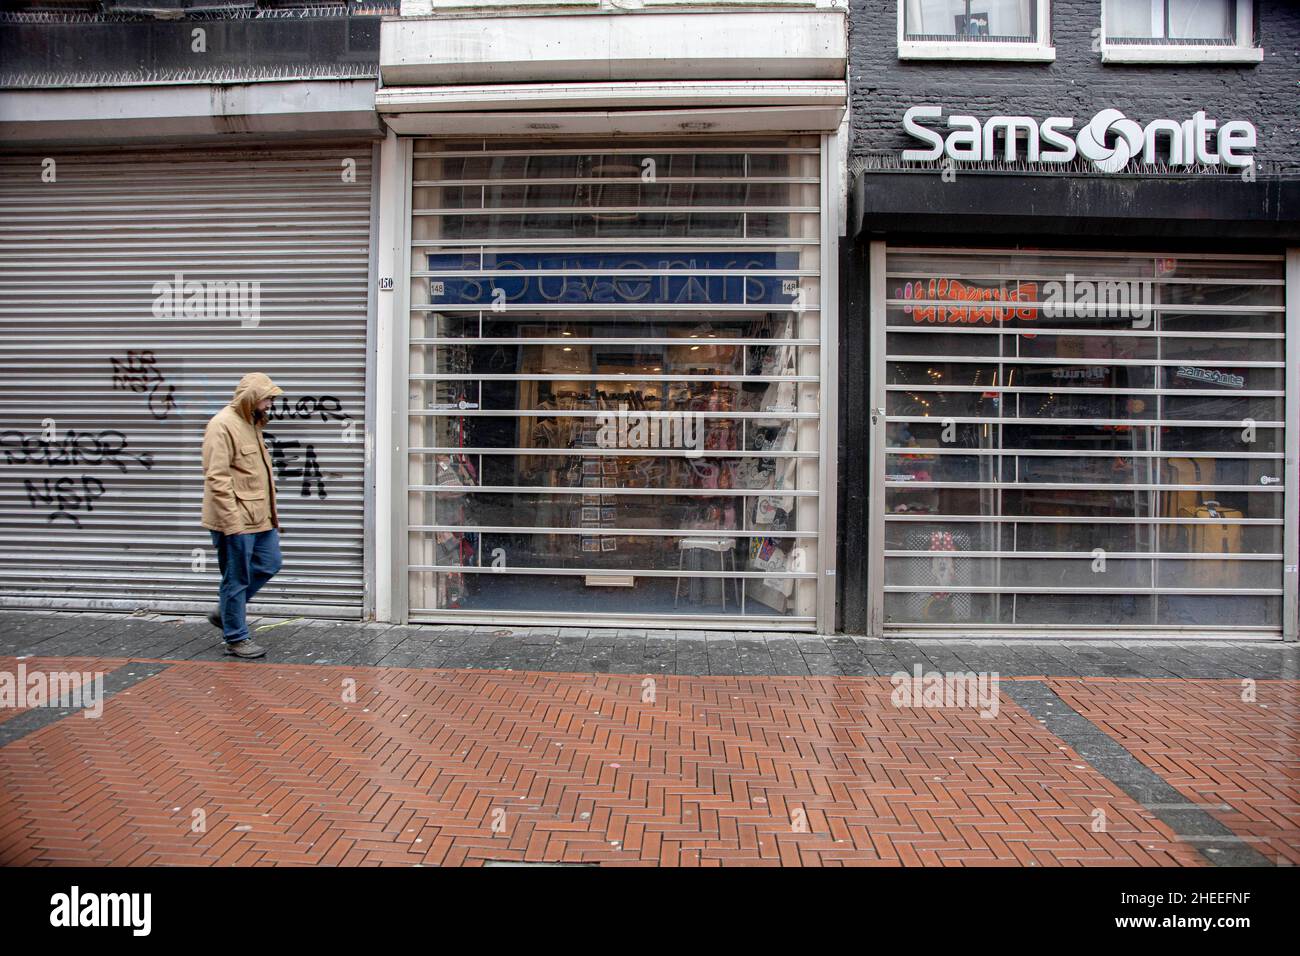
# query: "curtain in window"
1200, 19
1188, 19
985, 18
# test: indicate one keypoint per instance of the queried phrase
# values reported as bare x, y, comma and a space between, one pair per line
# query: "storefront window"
614, 390
1077, 440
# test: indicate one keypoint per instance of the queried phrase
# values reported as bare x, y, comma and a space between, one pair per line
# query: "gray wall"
1076, 84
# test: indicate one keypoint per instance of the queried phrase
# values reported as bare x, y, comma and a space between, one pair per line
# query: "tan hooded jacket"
238, 487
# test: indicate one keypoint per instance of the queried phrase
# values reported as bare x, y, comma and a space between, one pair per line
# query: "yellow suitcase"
1210, 538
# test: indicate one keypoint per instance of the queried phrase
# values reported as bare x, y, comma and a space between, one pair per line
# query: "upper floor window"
1178, 31
974, 30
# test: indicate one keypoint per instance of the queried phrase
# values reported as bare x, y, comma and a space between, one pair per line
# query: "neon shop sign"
941, 300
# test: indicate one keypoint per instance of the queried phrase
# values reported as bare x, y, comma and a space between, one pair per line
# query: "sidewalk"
422, 748
605, 650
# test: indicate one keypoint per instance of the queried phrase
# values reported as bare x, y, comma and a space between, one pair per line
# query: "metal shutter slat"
78, 261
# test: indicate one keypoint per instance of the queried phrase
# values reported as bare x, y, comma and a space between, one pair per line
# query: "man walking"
239, 506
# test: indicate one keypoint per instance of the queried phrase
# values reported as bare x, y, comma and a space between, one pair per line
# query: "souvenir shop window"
624, 398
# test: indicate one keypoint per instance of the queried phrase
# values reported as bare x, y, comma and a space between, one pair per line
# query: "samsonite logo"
1109, 141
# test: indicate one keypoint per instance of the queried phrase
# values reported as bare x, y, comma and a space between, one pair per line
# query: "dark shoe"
245, 648
215, 620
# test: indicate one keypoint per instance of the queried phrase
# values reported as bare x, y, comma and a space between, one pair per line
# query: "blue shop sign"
604, 280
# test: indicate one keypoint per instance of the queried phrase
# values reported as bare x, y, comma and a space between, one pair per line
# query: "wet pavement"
621, 651
370, 745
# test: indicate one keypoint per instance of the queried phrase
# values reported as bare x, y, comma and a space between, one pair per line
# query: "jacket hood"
252, 388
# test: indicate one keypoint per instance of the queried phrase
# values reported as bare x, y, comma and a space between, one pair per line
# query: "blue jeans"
247, 561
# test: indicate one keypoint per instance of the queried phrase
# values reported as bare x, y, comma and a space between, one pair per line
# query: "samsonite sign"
1109, 141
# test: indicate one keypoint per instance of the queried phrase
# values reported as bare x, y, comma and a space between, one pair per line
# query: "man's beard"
259, 417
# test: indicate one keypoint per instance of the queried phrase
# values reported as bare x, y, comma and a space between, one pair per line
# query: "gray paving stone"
753, 655
503, 647
812, 645
694, 654
369, 657
889, 666
942, 658
822, 665
398, 658
660, 647
628, 667
723, 657
693, 666
428, 634
625, 653
845, 651
633, 650
195, 645
785, 656
910, 659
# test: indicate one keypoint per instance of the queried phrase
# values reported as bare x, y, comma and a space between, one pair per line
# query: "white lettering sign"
1109, 141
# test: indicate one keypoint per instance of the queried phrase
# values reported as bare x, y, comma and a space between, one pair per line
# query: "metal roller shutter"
555, 287
1082, 442
108, 373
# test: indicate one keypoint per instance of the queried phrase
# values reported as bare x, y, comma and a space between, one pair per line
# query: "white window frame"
1040, 50
1243, 51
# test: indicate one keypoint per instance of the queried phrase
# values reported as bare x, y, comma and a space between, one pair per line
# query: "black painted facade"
1077, 83
1022, 205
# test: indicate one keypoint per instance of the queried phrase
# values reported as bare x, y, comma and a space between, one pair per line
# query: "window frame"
1243, 50
1039, 50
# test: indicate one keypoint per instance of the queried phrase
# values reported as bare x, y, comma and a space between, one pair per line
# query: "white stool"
724, 547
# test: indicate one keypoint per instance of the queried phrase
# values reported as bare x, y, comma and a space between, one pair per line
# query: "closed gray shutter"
109, 373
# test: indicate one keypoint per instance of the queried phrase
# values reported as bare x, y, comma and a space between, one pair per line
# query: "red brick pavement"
460, 767
1214, 747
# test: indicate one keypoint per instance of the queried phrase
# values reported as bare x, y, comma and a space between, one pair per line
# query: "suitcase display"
1203, 538
1213, 539
938, 569
1186, 471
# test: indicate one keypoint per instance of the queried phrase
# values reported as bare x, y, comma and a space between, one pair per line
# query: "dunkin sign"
942, 300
